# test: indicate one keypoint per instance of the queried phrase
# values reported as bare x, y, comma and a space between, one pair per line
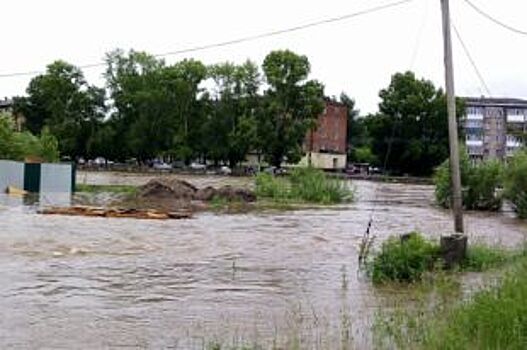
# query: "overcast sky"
357, 56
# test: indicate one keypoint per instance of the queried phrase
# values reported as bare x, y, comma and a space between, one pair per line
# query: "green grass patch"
307, 185
117, 189
408, 259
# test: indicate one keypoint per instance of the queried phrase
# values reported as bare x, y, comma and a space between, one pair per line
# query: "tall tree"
155, 106
410, 131
291, 106
62, 100
232, 124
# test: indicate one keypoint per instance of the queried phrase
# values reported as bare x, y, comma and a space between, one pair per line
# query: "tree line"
222, 112
184, 111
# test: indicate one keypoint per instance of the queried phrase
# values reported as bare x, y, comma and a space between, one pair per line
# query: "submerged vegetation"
407, 259
480, 183
495, 318
307, 185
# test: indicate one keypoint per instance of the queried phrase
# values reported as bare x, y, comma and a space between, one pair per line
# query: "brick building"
326, 146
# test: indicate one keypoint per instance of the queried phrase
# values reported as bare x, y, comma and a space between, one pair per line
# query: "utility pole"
457, 206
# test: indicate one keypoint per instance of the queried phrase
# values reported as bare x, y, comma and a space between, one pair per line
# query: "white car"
162, 166
198, 166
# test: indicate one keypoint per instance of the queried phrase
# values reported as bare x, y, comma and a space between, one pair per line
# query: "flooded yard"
271, 278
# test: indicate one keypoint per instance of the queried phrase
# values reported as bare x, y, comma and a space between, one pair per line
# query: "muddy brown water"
272, 278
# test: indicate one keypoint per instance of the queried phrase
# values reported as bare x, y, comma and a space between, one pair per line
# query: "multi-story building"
493, 127
326, 145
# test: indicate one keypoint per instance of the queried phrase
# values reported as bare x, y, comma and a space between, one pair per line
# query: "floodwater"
288, 279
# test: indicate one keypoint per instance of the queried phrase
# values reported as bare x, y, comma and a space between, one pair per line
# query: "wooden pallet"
150, 214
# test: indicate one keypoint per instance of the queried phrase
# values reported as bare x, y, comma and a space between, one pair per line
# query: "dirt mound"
167, 188
206, 194
162, 190
236, 194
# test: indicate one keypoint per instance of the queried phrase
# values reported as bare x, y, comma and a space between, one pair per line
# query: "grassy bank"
495, 318
409, 259
304, 185
117, 189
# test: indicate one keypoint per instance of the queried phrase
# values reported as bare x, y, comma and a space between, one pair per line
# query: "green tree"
232, 124
291, 106
155, 106
63, 101
411, 129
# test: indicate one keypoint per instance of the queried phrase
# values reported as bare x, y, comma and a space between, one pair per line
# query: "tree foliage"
480, 183
66, 104
21, 145
291, 106
411, 128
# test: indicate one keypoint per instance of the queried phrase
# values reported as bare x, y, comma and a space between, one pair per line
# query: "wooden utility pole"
457, 205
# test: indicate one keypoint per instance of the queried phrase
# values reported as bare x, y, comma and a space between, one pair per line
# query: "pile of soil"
167, 188
181, 191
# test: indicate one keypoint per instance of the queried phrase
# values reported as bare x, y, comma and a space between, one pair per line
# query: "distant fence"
37, 177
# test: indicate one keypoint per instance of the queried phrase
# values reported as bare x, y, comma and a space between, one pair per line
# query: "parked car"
198, 166
161, 166
225, 170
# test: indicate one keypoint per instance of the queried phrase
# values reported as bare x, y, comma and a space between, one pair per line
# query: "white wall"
11, 174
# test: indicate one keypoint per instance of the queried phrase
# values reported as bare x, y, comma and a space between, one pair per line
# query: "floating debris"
151, 214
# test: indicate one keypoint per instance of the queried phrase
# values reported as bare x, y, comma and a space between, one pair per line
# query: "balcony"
474, 116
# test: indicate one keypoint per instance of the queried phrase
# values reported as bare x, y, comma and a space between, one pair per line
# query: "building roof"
496, 102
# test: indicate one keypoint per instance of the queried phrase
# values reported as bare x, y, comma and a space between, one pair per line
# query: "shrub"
515, 183
479, 181
304, 184
482, 257
404, 260
19, 145
269, 186
313, 185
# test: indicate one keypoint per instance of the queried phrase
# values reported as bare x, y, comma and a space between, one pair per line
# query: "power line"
419, 36
471, 60
242, 39
493, 19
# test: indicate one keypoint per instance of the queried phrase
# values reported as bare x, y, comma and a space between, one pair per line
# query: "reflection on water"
285, 278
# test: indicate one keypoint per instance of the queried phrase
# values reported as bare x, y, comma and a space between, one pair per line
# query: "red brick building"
326, 146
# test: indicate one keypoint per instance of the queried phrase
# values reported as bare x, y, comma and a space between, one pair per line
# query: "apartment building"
493, 127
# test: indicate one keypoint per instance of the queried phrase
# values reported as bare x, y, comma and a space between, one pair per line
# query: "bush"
404, 260
407, 258
304, 184
269, 186
515, 183
19, 145
312, 185
481, 257
479, 181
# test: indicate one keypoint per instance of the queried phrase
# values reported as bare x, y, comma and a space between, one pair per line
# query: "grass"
495, 318
306, 185
117, 189
408, 260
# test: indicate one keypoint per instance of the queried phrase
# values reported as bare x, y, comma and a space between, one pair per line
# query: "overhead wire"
494, 19
471, 60
244, 39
